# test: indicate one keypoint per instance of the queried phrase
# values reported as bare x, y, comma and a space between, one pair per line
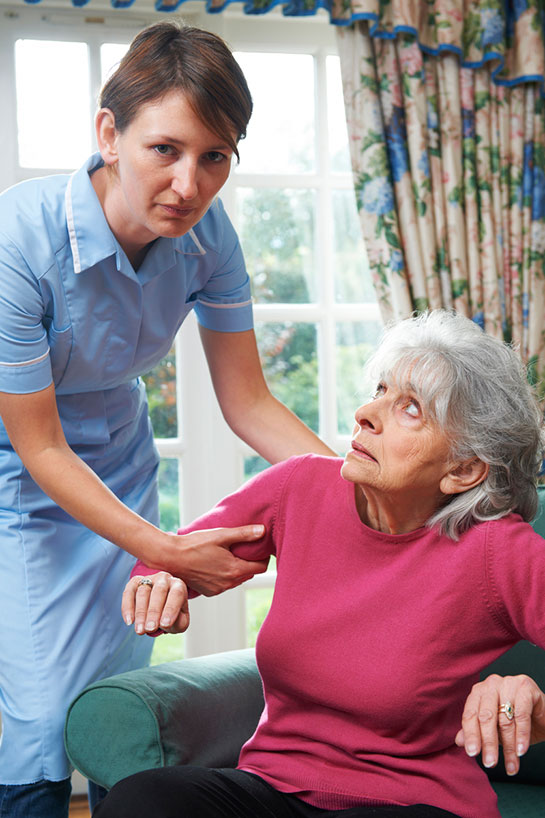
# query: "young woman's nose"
184, 181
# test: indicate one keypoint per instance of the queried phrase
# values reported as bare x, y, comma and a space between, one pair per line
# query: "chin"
348, 472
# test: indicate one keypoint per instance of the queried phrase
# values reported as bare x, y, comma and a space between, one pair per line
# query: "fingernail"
488, 761
520, 749
151, 626
165, 622
510, 768
258, 530
472, 749
128, 619
140, 628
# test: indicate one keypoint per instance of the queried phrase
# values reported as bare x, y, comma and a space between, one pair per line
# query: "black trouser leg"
199, 792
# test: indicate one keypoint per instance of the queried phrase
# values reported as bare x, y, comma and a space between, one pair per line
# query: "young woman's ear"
464, 476
106, 135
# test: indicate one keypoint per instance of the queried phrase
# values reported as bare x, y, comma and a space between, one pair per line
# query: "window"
292, 202
44, 85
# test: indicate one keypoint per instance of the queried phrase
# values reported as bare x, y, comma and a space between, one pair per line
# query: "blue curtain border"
302, 8
298, 8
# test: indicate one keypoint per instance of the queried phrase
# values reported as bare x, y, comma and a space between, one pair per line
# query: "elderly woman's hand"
158, 601
506, 709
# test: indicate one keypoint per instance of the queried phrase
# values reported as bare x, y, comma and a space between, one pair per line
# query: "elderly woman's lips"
360, 450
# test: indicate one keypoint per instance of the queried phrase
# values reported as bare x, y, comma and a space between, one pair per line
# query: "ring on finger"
508, 710
145, 581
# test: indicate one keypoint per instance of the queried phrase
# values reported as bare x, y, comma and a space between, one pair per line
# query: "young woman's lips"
174, 210
361, 451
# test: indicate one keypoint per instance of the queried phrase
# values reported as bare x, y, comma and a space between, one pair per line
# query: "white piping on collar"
200, 248
71, 227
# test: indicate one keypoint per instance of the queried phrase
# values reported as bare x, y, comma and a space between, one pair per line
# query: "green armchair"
200, 711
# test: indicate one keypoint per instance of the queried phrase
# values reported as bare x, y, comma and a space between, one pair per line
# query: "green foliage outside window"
277, 236
161, 391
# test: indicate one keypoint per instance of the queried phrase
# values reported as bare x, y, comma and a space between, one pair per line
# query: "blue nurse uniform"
73, 312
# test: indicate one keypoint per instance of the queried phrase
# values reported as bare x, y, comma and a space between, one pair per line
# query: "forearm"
247, 404
202, 558
275, 432
70, 483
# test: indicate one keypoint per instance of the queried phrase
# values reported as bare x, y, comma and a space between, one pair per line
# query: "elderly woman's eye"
412, 408
380, 390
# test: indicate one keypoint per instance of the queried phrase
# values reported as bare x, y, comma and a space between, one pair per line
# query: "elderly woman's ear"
464, 476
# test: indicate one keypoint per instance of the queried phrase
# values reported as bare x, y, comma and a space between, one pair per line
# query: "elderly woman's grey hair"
475, 388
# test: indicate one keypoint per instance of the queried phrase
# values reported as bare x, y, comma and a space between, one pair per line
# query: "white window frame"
210, 456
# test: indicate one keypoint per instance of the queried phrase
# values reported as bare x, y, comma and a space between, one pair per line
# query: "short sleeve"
224, 302
25, 364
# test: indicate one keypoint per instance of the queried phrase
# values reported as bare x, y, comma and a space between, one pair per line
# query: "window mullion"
8, 124
326, 337
95, 82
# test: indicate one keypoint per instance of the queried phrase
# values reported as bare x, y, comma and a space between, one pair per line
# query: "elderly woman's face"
397, 451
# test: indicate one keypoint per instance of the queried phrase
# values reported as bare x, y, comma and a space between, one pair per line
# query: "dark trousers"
43, 799
199, 792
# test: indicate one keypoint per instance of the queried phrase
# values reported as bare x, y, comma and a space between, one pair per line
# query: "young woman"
97, 272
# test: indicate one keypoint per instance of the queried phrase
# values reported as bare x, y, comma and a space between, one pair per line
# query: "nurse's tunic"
73, 312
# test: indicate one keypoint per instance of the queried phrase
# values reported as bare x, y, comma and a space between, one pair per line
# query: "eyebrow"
161, 139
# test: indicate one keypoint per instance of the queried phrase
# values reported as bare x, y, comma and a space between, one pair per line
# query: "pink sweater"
373, 641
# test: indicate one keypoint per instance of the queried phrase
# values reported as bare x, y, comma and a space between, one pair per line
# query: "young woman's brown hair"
171, 56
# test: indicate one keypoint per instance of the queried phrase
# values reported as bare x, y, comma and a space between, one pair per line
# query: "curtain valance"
509, 34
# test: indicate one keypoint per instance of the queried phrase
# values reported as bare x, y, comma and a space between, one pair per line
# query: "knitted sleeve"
515, 567
257, 502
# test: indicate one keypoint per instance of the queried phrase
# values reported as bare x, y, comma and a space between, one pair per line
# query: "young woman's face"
169, 169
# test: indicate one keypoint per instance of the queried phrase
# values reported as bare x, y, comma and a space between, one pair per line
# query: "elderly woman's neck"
388, 515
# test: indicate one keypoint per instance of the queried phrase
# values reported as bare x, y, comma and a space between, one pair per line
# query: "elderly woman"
403, 571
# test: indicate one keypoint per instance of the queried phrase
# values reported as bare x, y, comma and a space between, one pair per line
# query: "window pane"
53, 103
355, 341
258, 602
161, 390
169, 505
289, 359
339, 155
110, 55
167, 648
282, 87
254, 464
170, 646
352, 274
276, 229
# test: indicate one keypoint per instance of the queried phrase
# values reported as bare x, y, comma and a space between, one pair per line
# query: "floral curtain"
446, 112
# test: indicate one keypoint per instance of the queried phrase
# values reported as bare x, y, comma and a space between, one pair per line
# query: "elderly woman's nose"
366, 416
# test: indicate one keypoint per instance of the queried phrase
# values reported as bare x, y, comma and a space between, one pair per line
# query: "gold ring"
508, 710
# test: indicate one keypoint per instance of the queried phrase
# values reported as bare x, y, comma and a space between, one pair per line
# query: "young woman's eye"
216, 157
163, 150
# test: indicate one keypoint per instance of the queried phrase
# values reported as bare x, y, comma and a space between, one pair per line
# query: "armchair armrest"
193, 711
